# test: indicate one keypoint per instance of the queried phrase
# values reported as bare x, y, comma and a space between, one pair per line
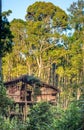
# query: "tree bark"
39, 63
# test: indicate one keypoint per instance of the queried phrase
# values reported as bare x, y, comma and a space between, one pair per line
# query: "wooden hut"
27, 90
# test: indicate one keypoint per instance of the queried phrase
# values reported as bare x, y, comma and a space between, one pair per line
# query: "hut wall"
47, 94
14, 93
18, 94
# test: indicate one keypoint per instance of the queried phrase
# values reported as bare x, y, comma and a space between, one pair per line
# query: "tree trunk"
78, 94
0, 68
39, 63
0, 40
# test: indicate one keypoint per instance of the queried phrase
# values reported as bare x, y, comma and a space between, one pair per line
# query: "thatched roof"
31, 80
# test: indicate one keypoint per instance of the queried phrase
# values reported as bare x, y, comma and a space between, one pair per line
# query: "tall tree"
70, 69
77, 21
5, 37
37, 40
15, 63
5, 46
44, 22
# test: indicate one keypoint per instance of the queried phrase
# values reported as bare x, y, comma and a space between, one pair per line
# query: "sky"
19, 7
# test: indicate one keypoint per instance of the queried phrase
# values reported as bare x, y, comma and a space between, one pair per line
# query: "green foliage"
13, 124
42, 11
38, 39
4, 100
43, 21
77, 14
72, 118
15, 64
40, 117
69, 119
44, 116
36, 36
5, 35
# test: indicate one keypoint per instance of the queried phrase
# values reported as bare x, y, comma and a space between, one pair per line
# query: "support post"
25, 105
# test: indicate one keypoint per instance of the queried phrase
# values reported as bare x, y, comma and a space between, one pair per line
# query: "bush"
69, 119
40, 117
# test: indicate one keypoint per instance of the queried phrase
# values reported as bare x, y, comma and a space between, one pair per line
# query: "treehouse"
28, 90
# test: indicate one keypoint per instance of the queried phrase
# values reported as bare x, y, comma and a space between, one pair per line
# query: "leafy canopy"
5, 34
